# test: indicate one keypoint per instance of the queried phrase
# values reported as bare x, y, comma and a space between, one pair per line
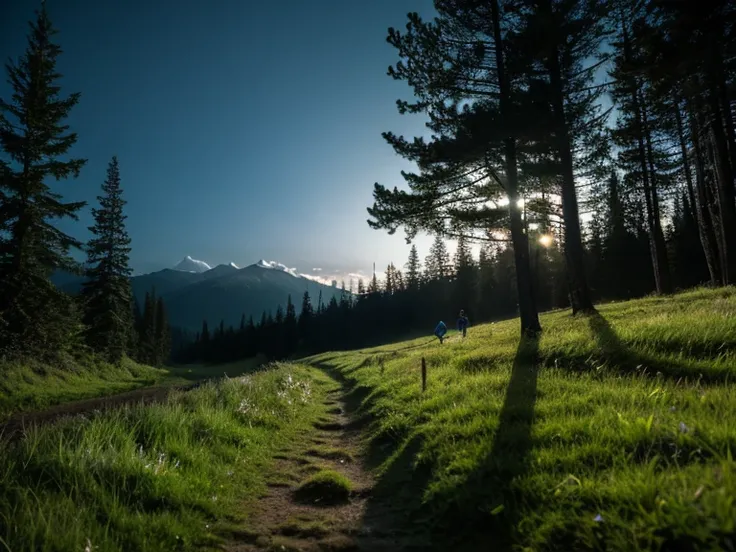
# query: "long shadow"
464, 520
625, 359
489, 507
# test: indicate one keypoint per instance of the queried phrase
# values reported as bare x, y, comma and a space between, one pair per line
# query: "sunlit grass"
29, 386
33, 386
614, 432
158, 477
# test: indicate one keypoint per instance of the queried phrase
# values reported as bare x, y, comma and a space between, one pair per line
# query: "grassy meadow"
27, 386
607, 432
167, 476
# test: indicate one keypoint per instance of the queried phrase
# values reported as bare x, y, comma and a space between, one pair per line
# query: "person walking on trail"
462, 323
440, 331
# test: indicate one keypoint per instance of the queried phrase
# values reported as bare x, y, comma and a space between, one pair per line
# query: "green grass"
326, 487
33, 386
30, 386
167, 476
608, 432
197, 372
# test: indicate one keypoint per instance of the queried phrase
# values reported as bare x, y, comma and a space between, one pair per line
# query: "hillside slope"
608, 432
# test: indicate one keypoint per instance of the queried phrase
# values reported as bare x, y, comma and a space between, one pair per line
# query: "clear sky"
244, 129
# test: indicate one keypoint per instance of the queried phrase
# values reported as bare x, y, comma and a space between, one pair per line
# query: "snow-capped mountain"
192, 265
193, 291
275, 265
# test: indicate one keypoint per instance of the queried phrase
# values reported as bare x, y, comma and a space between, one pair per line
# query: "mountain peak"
192, 265
275, 265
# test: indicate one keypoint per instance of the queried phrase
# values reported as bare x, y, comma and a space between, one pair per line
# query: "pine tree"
437, 264
562, 37
465, 277
134, 341
162, 335
413, 270
305, 318
486, 284
147, 338
36, 315
291, 331
479, 115
107, 292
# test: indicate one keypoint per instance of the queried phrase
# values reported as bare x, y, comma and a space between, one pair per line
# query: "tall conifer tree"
107, 292
35, 315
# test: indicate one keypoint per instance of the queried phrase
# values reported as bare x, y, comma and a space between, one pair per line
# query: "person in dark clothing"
462, 323
440, 331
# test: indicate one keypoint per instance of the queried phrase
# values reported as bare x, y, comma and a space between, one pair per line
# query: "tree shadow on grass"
488, 508
464, 520
623, 358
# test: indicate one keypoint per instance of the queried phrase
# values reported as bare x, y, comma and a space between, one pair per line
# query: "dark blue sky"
244, 129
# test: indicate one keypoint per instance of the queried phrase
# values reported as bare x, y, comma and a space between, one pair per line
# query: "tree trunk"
725, 191
698, 195
574, 254
646, 185
660, 246
527, 304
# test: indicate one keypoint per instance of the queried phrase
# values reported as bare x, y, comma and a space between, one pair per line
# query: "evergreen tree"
562, 38
134, 341
147, 339
37, 317
437, 264
486, 284
458, 69
465, 278
107, 292
413, 270
162, 335
305, 318
291, 331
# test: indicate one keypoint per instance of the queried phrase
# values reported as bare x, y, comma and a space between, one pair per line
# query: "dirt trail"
280, 522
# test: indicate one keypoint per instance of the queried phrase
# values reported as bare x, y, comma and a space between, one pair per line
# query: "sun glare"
545, 240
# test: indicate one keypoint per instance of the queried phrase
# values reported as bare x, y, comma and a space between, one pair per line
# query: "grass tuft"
326, 487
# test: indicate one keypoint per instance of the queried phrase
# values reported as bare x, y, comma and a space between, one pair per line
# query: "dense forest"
587, 146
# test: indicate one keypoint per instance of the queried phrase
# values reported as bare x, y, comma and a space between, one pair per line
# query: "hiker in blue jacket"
462, 323
440, 331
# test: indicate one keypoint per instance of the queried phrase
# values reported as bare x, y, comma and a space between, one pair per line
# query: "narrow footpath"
282, 520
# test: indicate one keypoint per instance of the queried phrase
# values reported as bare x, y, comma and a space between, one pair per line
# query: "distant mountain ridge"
225, 292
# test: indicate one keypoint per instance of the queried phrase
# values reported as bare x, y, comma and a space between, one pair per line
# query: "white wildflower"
684, 428
89, 546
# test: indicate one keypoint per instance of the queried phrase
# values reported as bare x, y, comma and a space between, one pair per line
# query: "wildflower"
684, 428
176, 465
214, 498
89, 546
230, 473
598, 518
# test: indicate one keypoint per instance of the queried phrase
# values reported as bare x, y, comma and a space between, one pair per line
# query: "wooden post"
424, 374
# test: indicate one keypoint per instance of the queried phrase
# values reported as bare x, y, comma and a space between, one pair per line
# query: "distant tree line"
36, 318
